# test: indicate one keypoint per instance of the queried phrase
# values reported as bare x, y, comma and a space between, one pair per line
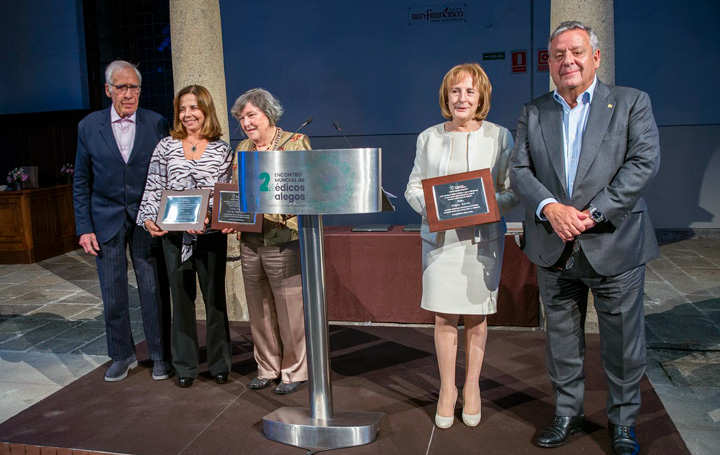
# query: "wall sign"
494, 56
543, 59
519, 62
437, 14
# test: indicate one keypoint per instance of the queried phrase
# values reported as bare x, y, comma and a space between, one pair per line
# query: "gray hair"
576, 25
119, 65
263, 100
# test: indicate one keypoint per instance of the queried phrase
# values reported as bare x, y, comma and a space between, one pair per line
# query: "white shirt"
574, 123
124, 132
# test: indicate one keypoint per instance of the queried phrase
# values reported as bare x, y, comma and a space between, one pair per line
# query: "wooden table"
36, 224
377, 277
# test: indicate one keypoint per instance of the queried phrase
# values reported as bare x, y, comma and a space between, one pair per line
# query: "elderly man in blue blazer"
585, 154
113, 154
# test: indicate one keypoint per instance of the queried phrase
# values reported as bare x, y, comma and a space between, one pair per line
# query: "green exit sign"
494, 56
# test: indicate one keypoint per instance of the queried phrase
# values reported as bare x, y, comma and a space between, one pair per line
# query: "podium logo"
437, 14
264, 181
284, 186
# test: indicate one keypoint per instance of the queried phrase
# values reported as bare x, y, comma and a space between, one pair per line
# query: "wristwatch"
596, 214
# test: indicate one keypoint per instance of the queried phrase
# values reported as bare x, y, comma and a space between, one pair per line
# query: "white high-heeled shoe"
446, 422
471, 420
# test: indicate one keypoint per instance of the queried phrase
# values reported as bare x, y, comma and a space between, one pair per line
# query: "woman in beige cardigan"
461, 267
271, 259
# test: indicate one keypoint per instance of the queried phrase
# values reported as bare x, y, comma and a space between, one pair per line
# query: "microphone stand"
307, 122
337, 127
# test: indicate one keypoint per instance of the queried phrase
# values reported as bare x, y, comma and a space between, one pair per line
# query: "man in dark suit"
114, 150
585, 154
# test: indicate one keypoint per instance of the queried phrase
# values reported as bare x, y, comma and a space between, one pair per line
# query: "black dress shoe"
185, 382
624, 439
286, 388
260, 383
558, 433
221, 378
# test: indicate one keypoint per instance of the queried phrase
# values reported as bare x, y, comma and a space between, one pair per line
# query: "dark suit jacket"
620, 155
106, 189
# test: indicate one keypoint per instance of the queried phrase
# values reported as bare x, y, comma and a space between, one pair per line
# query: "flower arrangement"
17, 175
67, 170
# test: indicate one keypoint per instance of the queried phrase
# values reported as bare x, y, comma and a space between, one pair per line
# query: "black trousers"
207, 263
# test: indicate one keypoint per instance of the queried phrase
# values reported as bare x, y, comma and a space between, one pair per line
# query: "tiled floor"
55, 306
52, 332
682, 314
51, 328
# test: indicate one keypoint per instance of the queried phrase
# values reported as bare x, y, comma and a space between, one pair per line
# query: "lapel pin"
609, 106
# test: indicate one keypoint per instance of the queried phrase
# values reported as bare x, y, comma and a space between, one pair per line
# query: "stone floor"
52, 332
682, 319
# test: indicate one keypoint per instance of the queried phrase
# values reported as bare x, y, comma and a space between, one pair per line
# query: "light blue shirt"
574, 123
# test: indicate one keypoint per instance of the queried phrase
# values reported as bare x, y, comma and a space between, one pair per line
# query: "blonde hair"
211, 127
480, 82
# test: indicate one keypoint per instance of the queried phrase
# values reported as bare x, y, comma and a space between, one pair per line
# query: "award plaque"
227, 214
459, 200
183, 210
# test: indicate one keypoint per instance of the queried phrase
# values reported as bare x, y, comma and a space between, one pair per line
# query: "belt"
567, 258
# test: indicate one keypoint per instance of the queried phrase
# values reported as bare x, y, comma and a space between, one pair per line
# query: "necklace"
274, 143
194, 146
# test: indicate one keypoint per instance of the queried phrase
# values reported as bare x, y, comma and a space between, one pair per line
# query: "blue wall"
671, 50
42, 67
364, 65
361, 63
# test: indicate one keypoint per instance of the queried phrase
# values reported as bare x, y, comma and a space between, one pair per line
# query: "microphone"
307, 122
337, 127
386, 204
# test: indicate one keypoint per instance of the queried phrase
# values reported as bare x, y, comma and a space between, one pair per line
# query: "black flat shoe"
221, 378
260, 383
559, 432
624, 440
185, 382
286, 388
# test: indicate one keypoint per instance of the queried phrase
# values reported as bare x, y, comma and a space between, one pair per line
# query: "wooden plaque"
460, 200
227, 214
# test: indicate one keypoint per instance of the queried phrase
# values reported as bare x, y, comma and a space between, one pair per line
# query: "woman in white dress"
461, 267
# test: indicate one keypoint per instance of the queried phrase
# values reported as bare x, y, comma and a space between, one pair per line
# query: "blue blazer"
107, 190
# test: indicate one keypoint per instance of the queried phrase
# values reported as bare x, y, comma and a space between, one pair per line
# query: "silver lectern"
312, 183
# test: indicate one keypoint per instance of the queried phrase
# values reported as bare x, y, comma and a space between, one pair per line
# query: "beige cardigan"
489, 147
276, 230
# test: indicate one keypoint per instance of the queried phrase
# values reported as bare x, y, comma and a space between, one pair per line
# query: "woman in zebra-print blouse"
192, 157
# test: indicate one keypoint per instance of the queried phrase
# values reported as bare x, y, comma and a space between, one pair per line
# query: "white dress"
460, 276
461, 267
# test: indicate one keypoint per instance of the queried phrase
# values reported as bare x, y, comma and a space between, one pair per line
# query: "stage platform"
387, 369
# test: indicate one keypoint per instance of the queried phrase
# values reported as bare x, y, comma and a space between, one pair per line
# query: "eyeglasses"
122, 89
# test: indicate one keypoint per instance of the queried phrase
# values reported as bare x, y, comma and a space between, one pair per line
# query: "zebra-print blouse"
170, 170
